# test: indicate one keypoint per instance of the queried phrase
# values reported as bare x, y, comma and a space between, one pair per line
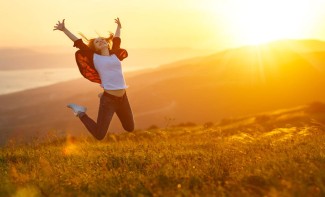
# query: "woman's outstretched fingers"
117, 21
60, 26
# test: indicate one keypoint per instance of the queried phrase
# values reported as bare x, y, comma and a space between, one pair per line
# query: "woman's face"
100, 43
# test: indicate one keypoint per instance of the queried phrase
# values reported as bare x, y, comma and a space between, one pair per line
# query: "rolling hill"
235, 82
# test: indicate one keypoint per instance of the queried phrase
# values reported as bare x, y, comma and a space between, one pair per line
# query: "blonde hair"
91, 44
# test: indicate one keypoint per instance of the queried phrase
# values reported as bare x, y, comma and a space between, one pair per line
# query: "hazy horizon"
16, 79
24, 74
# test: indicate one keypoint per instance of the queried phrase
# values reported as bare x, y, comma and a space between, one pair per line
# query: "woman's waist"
118, 93
113, 85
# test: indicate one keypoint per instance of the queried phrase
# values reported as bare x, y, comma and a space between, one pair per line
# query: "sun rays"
257, 22
271, 63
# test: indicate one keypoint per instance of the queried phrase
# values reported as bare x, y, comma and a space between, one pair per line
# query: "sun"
260, 21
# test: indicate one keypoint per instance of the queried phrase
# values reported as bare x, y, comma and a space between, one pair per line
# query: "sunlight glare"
256, 22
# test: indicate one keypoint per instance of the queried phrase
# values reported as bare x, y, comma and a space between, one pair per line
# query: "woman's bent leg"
105, 113
124, 112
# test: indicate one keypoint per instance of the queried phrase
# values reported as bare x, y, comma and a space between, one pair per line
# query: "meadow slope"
280, 153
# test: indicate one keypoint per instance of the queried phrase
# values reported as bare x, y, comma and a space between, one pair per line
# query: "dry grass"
244, 160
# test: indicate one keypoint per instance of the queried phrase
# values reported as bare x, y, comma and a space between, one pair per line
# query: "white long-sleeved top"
110, 71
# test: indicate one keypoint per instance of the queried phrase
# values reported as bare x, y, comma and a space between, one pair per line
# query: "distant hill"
301, 46
231, 83
63, 57
25, 58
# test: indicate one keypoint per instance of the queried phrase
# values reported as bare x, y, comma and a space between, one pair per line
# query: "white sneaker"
77, 108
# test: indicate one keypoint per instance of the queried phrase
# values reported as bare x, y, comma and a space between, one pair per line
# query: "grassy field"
276, 154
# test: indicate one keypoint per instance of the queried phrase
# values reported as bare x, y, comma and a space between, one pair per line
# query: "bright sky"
214, 24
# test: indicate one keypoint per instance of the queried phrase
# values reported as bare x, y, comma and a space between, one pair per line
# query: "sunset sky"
213, 24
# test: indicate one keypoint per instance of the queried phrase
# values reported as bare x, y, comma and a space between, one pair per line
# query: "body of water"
18, 80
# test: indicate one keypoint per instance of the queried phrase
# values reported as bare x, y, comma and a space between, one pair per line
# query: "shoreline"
14, 81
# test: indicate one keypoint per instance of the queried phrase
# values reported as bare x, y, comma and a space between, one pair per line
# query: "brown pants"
109, 104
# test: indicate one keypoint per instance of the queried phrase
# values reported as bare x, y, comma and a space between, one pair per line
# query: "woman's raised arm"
118, 28
61, 26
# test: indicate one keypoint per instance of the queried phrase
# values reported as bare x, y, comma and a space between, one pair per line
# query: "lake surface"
18, 80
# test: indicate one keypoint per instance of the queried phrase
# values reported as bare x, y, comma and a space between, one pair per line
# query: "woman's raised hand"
117, 21
59, 26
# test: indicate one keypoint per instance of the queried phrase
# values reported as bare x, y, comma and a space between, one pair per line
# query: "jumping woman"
100, 61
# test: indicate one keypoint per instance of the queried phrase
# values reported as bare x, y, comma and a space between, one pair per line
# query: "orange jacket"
84, 58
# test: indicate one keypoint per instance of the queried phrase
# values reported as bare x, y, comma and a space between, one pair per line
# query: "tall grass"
195, 161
